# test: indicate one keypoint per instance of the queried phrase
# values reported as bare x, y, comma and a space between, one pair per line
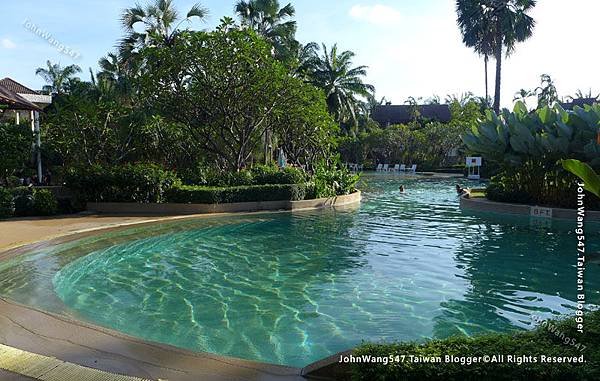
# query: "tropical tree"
581, 95
495, 24
160, 23
522, 95
308, 59
57, 77
271, 22
227, 93
113, 75
546, 92
342, 83
477, 31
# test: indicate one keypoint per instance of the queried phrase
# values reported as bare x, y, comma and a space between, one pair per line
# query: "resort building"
22, 104
387, 115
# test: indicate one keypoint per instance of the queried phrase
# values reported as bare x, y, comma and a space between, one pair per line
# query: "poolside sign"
538, 211
473, 167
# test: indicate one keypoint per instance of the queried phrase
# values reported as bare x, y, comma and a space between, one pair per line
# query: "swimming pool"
292, 288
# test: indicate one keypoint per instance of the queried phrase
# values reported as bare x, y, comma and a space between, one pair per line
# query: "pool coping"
32, 329
485, 205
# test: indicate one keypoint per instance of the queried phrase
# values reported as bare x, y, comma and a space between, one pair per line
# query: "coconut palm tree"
308, 58
160, 22
342, 83
507, 19
477, 32
57, 77
271, 22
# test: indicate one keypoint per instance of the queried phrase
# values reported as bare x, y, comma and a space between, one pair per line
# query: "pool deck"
89, 346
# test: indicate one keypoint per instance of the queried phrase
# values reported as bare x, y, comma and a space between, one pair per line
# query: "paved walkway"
22, 231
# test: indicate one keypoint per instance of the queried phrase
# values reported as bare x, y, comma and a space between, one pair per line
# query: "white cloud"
376, 14
7, 43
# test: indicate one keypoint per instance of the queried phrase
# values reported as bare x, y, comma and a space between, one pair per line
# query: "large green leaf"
586, 173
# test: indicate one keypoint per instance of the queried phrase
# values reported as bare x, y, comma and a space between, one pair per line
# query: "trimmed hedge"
258, 175
213, 195
551, 339
263, 175
142, 183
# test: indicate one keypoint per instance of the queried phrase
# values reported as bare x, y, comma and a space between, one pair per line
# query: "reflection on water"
293, 288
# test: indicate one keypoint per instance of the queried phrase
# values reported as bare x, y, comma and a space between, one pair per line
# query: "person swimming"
460, 191
401, 189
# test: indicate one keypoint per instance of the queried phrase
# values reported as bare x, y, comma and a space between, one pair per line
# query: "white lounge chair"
396, 168
402, 168
379, 167
413, 169
386, 167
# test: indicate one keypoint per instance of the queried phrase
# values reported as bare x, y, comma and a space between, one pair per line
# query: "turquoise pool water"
293, 288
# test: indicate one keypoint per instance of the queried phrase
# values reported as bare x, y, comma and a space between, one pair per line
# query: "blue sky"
412, 48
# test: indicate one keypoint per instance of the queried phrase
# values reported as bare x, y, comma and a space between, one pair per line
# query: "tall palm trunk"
485, 62
498, 54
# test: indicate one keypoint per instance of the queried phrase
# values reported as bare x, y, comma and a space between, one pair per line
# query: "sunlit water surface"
293, 288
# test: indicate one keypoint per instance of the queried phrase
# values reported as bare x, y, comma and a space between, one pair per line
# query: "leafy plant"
44, 203
330, 181
24, 202
541, 341
7, 204
586, 173
530, 146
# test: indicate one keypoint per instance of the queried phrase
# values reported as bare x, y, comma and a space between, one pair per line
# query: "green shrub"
541, 341
330, 182
23, 199
44, 203
267, 174
506, 189
259, 175
7, 205
215, 195
143, 183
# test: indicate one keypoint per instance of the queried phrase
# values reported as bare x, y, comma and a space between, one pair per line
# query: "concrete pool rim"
485, 205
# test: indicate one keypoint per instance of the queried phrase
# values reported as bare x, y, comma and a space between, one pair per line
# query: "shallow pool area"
292, 288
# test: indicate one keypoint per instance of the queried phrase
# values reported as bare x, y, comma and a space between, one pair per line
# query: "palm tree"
522, 96
308, 59
57, 77
271, 22
477, 31
159, 20
341, 82
508, 22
